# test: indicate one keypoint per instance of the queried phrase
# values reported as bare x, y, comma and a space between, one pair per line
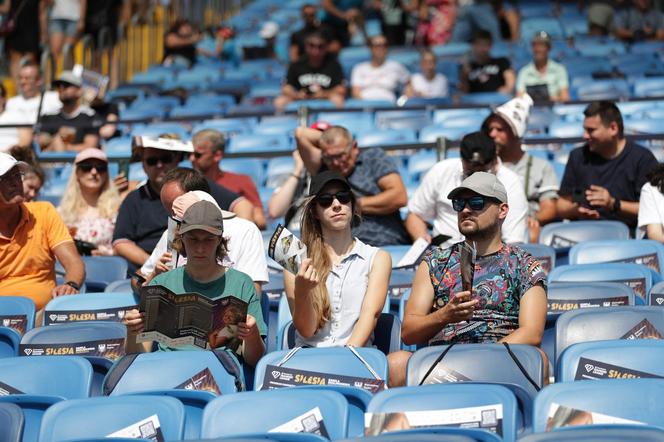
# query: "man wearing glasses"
505, 299
372, 175
32, 237
430, 201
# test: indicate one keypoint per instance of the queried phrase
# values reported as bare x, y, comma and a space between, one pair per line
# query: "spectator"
379, 78
245, 243
209, 146
543, 71
25, 105
600, 15
311, 24
372, 175
142, 218
101, 14
268, 33
393, 18
340, 15
507, 302
428, 83
200, 239
435, 21
66, 22
651, 206
478, 154
72, 129
32, 237
507, 126
287, 200
639, 22
90, 202
475, 15
33, 176
317, 75
483, 73
509, 20
604, 177
26, 29
180, 43
340, 289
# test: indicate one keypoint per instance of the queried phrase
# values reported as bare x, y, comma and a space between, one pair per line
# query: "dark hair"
27, 155
656, 177
188, 179
316, 33
608, 113
481, 35
3, 91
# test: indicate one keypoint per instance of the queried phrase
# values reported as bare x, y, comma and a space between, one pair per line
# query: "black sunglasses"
164, 159
101, 168
475, 203
326, 199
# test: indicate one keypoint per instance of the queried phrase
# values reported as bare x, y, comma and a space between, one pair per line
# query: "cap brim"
68, 83
22, 165
208, 229
225, 214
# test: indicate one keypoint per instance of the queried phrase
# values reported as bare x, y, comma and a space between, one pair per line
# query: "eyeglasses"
330, 158
100, 168
326, 199
475, 203
164, 159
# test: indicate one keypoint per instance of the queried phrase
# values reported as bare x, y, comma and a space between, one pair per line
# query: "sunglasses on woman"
326, 199
101, 168
475, 203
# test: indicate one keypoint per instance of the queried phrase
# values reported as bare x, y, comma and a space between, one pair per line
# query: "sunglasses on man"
164, 159
476, 203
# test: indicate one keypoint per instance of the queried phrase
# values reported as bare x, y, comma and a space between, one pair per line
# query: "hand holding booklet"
287, 249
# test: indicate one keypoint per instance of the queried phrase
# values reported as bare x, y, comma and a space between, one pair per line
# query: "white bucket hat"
515, 113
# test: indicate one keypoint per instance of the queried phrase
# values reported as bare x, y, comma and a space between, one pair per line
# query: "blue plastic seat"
649, 87
644, 355
587, 325
258, 143
601, 49
19, 307
11, 422
356, 103
621, 398
656, 295
440, 434
104, 303
451, 49
420, 163
278, 169
487, 98
430, 134
253, 167
403, 119
569, 234
199, 111
603, 293
142, 113
532, 24
546, 255
280, 127
119, 286
473, 115
313, 104
450, 397
355, 122
600, 433
642, 126
647, 252
566, 129
386, 137
65, 421
258, 412
221, 100
612, 89
102, 270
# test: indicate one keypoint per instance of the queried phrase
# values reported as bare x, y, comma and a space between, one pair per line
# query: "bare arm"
298, 290
563, 95
417, 227
68, 256
259, 217
174, 41
547, 211
308, 146
330, 7
5, 6
463, 78
655, 232
356, 92
131, 252
532, 318
243, 208
374, 299
568, 209
282, 198
392, 197
83, 6
509, 77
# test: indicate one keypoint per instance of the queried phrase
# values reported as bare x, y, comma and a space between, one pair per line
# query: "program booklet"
309, 422
173, 226
148, 428
287, 249
562, 416
411, 259
467, 263
190, 318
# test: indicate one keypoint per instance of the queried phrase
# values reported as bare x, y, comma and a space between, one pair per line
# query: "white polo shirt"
379, 83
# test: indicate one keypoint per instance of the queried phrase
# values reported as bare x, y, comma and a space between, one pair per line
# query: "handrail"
47, 67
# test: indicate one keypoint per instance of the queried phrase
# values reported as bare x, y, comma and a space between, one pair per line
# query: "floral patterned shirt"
500, 280
96, 230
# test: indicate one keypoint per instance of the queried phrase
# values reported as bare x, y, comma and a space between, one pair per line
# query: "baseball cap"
320, 125
478, 148
68, 77
8, 162
91, 153
184, 202
482, 183
541, 37
322, 179
203, 215
269, 30
515, 113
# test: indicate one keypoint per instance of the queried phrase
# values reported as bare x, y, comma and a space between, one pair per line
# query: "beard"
477, 233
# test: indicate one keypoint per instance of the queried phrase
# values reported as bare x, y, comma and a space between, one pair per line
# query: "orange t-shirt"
27, 262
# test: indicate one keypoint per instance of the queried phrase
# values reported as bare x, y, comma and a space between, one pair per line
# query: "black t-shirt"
301, 75
224, 197
84, 123
298, 37
622, 176
188, 52
487, 77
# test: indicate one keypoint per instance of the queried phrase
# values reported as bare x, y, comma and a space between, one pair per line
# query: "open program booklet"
287, 249
562, 416
190, 318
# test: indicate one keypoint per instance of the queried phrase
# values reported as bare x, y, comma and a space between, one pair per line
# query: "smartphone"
124, 168
579, 197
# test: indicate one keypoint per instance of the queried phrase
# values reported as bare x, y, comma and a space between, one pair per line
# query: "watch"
74, 285
616, 205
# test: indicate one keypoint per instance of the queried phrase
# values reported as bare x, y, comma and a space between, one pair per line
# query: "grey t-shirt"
540, 177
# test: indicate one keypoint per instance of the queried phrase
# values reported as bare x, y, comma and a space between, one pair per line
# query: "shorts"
62, 26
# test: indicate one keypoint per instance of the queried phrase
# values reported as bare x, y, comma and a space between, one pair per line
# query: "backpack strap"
436, 362
521, 367
116, 372
231, 366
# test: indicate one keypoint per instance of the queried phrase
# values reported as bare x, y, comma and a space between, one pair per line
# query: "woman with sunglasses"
340, 289
90, 202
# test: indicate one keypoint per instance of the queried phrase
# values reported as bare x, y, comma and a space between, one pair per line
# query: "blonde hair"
73, 205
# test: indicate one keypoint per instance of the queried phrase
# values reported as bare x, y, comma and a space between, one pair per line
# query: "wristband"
73, 285
296, 176
616, 205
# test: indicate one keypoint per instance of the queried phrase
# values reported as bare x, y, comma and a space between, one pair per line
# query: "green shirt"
232, 283
555, 77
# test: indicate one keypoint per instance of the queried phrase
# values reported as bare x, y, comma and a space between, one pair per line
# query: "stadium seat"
649, 87
229, 126
531, 25
587, 325
279, 127
253, 167
403, 119
119, 286
11, 422
19, 309
546, 255
251, 143
9, 342
258, 412
451, 49
636, 276
656, 295
610, 89
566, 129
430, 134
596, 294
156, 129
601, 49
565, 235
594, 358
199, 111
485, 98
66, 377
646, 252
99, 306
278, 169
386, 137
450, 397
102, 270
311, 104
600, 433
440, 434
356, 103
221, 100
620, 398
79, 419
419, 164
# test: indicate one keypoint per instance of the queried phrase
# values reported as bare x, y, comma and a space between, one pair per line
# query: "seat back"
106, 415
262, 411
89, 307
565, 296
587, 325
600, 433
564, 235
11, 422
645, 252
17, 313
100, 271
618, 398
68, 377
546, 255
656, 295
448, 397
119, 286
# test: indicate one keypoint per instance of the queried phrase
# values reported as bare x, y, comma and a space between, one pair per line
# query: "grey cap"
68, 77
482, 183
203, 215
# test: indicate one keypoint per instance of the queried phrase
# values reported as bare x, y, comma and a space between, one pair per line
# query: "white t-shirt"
245, 250
66, 10
651, 208
25, 110
429, 88
430, 201
379, 83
